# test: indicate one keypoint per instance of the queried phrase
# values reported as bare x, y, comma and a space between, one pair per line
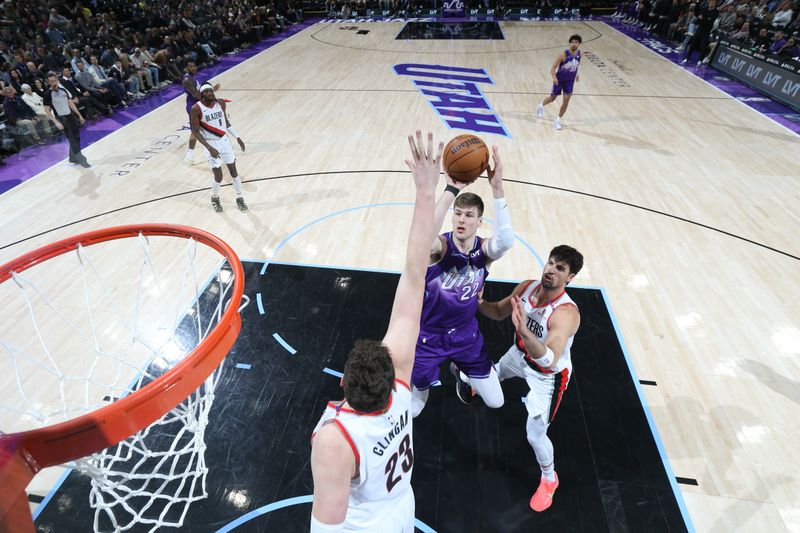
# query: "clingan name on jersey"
455, 95
397, 429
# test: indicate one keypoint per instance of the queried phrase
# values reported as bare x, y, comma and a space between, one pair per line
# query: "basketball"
465, 157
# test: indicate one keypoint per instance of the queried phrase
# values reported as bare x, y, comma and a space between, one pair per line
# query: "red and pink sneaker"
543, 497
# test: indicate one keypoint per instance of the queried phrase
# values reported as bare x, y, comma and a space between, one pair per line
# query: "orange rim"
92, 432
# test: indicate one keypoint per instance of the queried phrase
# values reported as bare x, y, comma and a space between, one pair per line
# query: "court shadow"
788, 137
632, 143
767, 376
716, 444
740, 509
88, 183
265, 147
526, 116
309, 197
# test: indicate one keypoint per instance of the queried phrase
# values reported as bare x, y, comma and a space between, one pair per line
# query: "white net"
94, 325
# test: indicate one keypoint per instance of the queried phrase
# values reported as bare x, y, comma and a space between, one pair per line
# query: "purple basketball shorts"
464, 346
565, 86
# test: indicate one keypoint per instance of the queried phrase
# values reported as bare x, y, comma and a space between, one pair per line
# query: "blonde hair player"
546, 320
459, 265
211, 126
362, 448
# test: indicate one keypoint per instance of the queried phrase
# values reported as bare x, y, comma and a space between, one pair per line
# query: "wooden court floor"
683, 201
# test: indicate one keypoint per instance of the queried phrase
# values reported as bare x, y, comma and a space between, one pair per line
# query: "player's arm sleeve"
503, 239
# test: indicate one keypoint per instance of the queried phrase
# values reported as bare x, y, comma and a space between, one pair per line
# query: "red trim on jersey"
403, 383
525, 288
554, 310
551, 301
536, 366
561, 382
212, 129
339, 409
351, 443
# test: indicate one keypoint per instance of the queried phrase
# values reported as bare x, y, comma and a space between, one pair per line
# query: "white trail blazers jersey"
537, 319
212, 121
381, 498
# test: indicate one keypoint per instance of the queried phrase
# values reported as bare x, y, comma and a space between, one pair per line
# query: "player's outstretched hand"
496, 172
424, 164
518, 317
241, 143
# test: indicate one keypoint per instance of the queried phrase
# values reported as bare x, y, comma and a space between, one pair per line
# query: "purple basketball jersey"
452, 286
190, 100
568, 69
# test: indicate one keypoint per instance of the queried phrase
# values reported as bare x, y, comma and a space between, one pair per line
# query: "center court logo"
455, 95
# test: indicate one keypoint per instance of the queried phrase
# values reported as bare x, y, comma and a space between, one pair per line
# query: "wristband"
547, 359
233, 132
449, 188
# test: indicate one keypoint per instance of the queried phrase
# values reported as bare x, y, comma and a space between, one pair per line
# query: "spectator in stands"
727, 19
15, 80
100, 77
76, 56
127, 77
38, 86
145, 68
19, 115
83, 97
783, 15
36, 103
687, 26
60, 21
743, 33
166, 63
55, 35
706, 16
87, 82
789, 49
777, 42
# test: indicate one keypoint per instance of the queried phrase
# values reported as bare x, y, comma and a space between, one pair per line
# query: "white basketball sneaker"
540, 111
557, 124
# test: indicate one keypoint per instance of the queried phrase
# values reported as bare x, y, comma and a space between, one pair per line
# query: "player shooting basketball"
458, 267
362, 449
211, 126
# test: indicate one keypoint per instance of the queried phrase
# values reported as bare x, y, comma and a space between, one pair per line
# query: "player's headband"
206, 87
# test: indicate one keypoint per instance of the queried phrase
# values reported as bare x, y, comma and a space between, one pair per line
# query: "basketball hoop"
185, 386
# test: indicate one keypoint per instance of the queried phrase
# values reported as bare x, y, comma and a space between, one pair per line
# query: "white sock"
214, 187
536, 429
237, 186
548, 472
189, 153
